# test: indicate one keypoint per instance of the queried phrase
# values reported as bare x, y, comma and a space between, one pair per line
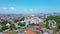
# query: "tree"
33, 24
40, 16
10, 22
22, 18
21, 24
1, 30
56, 18
47, 26
4, 22
12, 26
16, 20
4, 27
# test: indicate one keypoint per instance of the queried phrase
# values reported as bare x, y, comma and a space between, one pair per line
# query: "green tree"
16, 20
12, 26
1, 30
4, 27
21, 24
33, 24
4, 22
22, 18
56, 18
47, 26
10, 22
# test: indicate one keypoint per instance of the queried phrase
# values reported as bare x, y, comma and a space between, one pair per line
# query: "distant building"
33, 19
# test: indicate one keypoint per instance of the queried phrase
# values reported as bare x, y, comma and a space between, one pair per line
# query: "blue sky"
29, 6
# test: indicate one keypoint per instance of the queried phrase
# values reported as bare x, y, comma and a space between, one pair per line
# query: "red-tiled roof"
29, 32
7, 32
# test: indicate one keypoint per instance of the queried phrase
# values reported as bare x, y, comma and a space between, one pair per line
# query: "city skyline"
29, 6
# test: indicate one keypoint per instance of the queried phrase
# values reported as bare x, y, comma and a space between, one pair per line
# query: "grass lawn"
44, 26
55, 31
13, 33
37, 32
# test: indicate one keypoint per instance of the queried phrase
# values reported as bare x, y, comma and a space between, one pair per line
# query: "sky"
29, 6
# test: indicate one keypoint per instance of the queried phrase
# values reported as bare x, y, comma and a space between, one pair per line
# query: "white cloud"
8, 9
12, 8
4, 8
